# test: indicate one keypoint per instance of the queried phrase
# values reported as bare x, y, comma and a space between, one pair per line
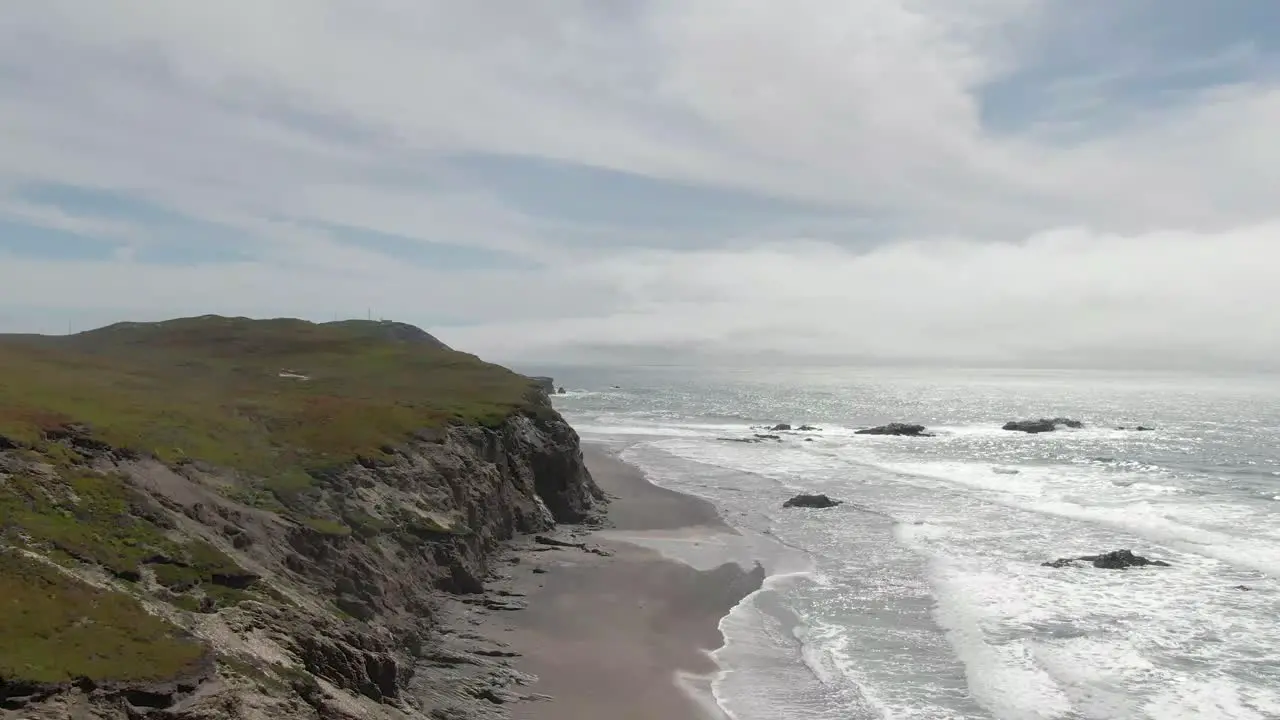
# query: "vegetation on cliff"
279, 404
278, 399
54, 628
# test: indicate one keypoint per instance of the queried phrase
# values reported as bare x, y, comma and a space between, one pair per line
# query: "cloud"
977, 181
1063, 298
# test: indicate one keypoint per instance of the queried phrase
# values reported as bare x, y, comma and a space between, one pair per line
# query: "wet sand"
606, 635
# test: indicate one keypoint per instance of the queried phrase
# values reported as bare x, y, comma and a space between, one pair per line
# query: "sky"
1050, 183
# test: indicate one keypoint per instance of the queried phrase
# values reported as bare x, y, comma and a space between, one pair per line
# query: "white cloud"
276, 120
1068, 297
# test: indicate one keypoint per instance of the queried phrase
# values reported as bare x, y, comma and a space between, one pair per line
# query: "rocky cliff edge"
244, 558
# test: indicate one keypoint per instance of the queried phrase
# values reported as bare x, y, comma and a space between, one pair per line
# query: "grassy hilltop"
274, 398
279, 402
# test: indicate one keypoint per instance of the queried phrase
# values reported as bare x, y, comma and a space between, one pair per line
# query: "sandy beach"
605, 634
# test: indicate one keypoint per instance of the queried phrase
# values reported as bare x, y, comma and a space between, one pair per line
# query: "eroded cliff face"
331, 610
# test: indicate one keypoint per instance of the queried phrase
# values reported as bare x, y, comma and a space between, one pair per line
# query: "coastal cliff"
225, 518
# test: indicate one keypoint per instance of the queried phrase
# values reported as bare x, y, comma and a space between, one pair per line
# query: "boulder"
1042, 425
560, 390
811, 501
1114, 560
904, 429
808, 428
780, 426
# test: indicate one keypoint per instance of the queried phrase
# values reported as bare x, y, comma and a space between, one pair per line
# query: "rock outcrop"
903, 429
1115, 560
348, 603
1042, 425
811, 501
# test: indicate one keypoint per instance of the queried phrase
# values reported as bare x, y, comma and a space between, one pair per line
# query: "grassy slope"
210, 389
194, 389
57, 629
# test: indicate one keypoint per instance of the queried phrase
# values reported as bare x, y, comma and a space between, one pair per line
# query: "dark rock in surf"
560, 390
1042, 425
1242, 587
1140, 428
768, 437
1121, 559
903, 429
808, 428
1115, 560
779, 427
1031, 426
811, 501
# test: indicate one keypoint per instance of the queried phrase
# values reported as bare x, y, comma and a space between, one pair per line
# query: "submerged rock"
766, 436
904, 429
1114, 560
1140, 428
808, 428
811, 501
1042, 425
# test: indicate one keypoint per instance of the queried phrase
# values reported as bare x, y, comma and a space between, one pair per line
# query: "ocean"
923, 596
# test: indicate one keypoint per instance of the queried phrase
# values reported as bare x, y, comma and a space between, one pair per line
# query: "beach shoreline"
609, 628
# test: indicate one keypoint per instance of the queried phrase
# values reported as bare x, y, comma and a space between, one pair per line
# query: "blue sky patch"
33, 241
162, 236
590, 195
1095, 65
436, 256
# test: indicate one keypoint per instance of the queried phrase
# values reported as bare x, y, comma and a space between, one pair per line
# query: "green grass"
365, 525
97, 518
55, 629
328, 527
209, 388
92, 518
